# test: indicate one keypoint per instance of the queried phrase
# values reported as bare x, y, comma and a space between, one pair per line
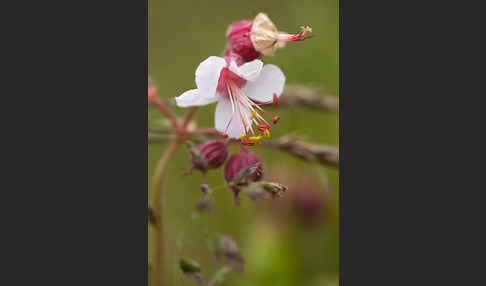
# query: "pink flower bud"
251, 39
208, 155
241, 169
238, 35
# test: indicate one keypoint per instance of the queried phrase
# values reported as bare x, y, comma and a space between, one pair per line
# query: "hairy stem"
165, 110
188, 116
157, 188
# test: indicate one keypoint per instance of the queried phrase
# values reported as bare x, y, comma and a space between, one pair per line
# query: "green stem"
158, 181
157, 188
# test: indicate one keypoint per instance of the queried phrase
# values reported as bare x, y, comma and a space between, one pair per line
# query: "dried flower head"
251, 39
267, 39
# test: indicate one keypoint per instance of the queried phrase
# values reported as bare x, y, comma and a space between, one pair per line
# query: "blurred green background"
282, 242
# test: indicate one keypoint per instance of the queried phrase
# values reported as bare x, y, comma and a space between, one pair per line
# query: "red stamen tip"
262, 127
276, 119
275, 99
224, 135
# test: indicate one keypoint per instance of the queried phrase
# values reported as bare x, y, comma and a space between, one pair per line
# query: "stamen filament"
261, 109
231, 100
258, 116
241, 117
232, 108
248, 120
248, 112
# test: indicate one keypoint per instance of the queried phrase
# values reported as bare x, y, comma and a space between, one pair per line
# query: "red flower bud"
208, 155
241, 169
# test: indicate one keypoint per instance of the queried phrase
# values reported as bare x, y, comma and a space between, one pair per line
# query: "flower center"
252, 122
228, 78
253, 126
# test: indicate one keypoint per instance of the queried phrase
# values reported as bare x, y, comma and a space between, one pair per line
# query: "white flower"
236, 88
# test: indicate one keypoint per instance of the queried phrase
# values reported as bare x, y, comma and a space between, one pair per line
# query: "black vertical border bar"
82, 71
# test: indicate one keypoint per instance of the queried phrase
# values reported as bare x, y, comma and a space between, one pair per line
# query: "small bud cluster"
241, 169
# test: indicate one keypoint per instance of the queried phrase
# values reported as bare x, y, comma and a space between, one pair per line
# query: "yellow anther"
256, 139
253, 115
243, 136
266, 133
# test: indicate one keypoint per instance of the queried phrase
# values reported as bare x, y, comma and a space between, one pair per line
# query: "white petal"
223, 115
207, 75
270, 81
249, 71
194, 98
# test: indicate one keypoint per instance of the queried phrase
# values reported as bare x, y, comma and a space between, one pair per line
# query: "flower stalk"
157, 204
157, 188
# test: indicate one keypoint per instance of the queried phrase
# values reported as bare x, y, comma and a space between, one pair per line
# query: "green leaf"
189, 266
